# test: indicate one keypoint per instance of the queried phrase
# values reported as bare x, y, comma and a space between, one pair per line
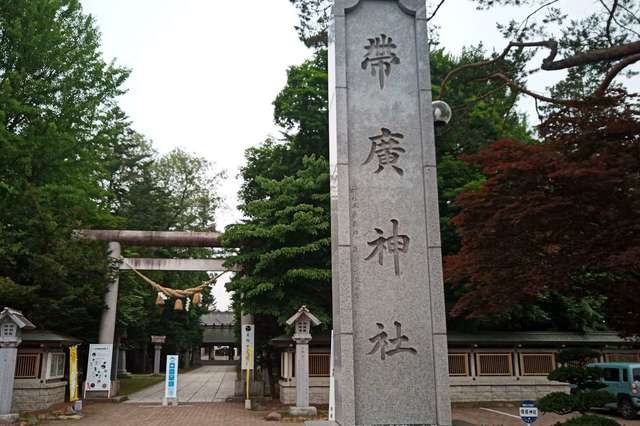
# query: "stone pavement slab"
211, 383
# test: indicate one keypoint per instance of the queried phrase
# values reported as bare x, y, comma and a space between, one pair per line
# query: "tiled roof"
218, 318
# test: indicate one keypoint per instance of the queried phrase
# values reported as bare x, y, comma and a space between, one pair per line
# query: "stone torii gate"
115, 240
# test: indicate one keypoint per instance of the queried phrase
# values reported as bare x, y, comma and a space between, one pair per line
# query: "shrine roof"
505, 338
48, 337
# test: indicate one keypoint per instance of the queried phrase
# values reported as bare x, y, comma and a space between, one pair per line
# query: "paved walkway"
210, 383
234, 414
212, 414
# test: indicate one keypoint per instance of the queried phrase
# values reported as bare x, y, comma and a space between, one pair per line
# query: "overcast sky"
205, 72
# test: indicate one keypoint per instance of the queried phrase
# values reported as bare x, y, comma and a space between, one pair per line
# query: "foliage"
284, 243
581, 356
71, 160
595, 50
314, 21
285, 247
564, 213
173, 191
584, 381
57, 118
477, 121
583, 377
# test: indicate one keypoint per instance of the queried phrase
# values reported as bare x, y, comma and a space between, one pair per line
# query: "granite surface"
389, 320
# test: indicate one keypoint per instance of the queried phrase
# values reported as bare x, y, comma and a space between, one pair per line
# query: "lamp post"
441, 113
302, 321
157, 341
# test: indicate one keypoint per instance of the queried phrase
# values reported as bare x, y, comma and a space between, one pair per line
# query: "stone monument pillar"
302, 322
12, 323
157, 341
388, 300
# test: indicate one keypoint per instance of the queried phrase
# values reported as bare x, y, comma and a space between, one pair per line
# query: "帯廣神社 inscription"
390, 343
386, 147
382, 340
395, 244
380, 56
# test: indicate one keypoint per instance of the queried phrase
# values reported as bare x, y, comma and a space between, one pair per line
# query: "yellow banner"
73, 373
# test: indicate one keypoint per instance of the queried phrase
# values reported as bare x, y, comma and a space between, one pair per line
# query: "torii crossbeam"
116, 238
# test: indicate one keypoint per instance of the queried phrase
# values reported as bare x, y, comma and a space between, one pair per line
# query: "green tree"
283, 245
479, 119
176, 191
57, 111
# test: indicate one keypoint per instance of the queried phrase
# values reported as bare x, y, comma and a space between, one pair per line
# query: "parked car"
623, 382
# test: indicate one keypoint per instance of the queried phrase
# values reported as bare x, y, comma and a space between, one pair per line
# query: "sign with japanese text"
73, 373
247, 346
171, 379
528, 411
99, 368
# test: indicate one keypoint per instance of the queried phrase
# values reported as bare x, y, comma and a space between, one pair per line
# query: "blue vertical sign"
171, 381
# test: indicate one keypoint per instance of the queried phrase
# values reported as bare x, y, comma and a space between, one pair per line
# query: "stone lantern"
12, 323
157, 341
302, 322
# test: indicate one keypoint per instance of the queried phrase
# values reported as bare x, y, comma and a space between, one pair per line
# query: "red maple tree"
559, 216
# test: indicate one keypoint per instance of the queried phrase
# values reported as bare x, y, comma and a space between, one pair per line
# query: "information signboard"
99, 368
247, 346
171, 379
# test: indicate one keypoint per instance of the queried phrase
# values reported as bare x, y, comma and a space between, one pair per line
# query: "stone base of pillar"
8, 419
169, 401
303, 411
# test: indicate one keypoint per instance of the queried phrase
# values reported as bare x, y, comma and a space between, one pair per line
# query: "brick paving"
233, 413
209, 414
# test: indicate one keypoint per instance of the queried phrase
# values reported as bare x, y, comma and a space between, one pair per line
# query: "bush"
589, 421
583, 377
557, 402
584, 394
579, 355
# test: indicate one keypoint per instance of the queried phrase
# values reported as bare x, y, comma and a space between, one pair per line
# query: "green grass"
138, 382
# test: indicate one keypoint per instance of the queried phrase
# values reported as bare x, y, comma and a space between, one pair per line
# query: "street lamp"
441, 113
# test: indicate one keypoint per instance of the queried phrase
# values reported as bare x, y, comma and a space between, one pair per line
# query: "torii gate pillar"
108, 320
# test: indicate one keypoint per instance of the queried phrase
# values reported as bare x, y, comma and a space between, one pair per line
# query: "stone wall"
31, 395
462, 389
474, 389
318, 391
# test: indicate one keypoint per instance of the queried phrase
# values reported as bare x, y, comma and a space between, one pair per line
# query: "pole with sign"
247, 342
171, 381
528, 411
247, 359
73, 373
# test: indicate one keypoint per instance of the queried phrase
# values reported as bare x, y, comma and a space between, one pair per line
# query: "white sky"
205, 72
